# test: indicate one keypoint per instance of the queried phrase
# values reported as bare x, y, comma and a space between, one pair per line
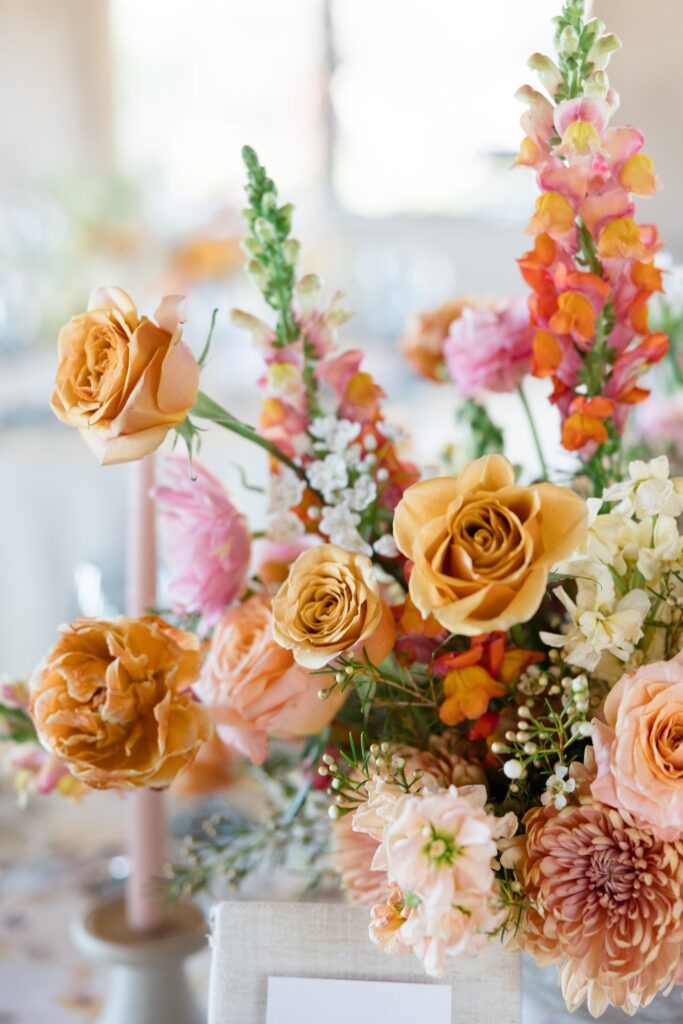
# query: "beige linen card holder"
254, 941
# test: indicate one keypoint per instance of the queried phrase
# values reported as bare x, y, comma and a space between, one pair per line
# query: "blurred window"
401, 106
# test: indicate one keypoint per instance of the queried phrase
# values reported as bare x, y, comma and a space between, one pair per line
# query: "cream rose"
124, 381
639, 748
253, 686
482, 547
329, 604
112, 701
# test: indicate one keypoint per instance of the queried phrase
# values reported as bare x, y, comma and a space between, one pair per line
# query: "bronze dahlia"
605, 905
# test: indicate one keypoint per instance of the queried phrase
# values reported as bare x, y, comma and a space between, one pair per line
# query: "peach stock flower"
253, 686
112, 700
603, 904
124, 380
329, 604
482, 547
639, 748
437, 848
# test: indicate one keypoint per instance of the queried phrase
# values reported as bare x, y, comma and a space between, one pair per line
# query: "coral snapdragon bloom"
478, 675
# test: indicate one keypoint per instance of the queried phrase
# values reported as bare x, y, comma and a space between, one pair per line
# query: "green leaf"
206, 409
20, 727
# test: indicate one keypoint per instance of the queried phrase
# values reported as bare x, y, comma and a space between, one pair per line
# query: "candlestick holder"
147, 981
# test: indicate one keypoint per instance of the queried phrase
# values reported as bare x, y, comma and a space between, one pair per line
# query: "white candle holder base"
147, 981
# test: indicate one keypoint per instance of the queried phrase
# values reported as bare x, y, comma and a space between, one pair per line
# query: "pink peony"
639, 748
206, 540
603, 903
489, 349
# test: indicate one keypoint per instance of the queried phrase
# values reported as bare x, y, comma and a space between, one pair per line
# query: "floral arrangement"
480, 678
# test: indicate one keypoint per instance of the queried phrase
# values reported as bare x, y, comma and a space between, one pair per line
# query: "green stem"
205, 408
534, 432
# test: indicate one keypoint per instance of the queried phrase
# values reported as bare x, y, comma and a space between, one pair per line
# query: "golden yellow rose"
329, 604
124, 380
112, 701
482, 547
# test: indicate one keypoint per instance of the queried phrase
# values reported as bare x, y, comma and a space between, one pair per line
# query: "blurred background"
391, 125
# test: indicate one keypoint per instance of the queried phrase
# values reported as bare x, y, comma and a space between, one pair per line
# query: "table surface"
54, 856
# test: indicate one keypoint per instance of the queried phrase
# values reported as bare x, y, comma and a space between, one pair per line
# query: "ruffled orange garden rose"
124, 380
482, 547
112, 701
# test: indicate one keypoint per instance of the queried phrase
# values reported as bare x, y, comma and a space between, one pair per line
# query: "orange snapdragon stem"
145, 811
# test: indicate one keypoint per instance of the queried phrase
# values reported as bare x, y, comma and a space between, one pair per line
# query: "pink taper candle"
146, 822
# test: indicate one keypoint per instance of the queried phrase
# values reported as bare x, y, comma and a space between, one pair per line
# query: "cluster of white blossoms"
629, 565
285, 491
344, 475
345, 472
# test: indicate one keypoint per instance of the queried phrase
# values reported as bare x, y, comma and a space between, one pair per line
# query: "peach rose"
639, 748
112, 700
124, 381
253, 686
330, 603
482, 547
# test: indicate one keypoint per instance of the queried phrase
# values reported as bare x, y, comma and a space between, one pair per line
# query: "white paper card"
327, 1001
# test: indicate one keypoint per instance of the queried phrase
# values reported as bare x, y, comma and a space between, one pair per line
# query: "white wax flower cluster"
346, 474
631, 560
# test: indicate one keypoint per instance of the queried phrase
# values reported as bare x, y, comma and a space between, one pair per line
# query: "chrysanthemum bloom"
604, 904
112, 700
489, 349
124, 380
482, 546
207, 542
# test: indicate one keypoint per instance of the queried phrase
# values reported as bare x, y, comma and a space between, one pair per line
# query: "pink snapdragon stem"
145, 811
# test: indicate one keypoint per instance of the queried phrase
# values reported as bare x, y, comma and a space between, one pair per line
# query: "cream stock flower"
112, 701
124, 381
329, 604
599, 624
482, 547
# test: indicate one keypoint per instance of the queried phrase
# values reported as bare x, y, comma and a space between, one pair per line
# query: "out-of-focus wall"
648, 74
55, 80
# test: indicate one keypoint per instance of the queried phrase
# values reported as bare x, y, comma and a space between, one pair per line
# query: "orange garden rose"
482, 546
254, 687
330, 603
124, 381
112, 700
